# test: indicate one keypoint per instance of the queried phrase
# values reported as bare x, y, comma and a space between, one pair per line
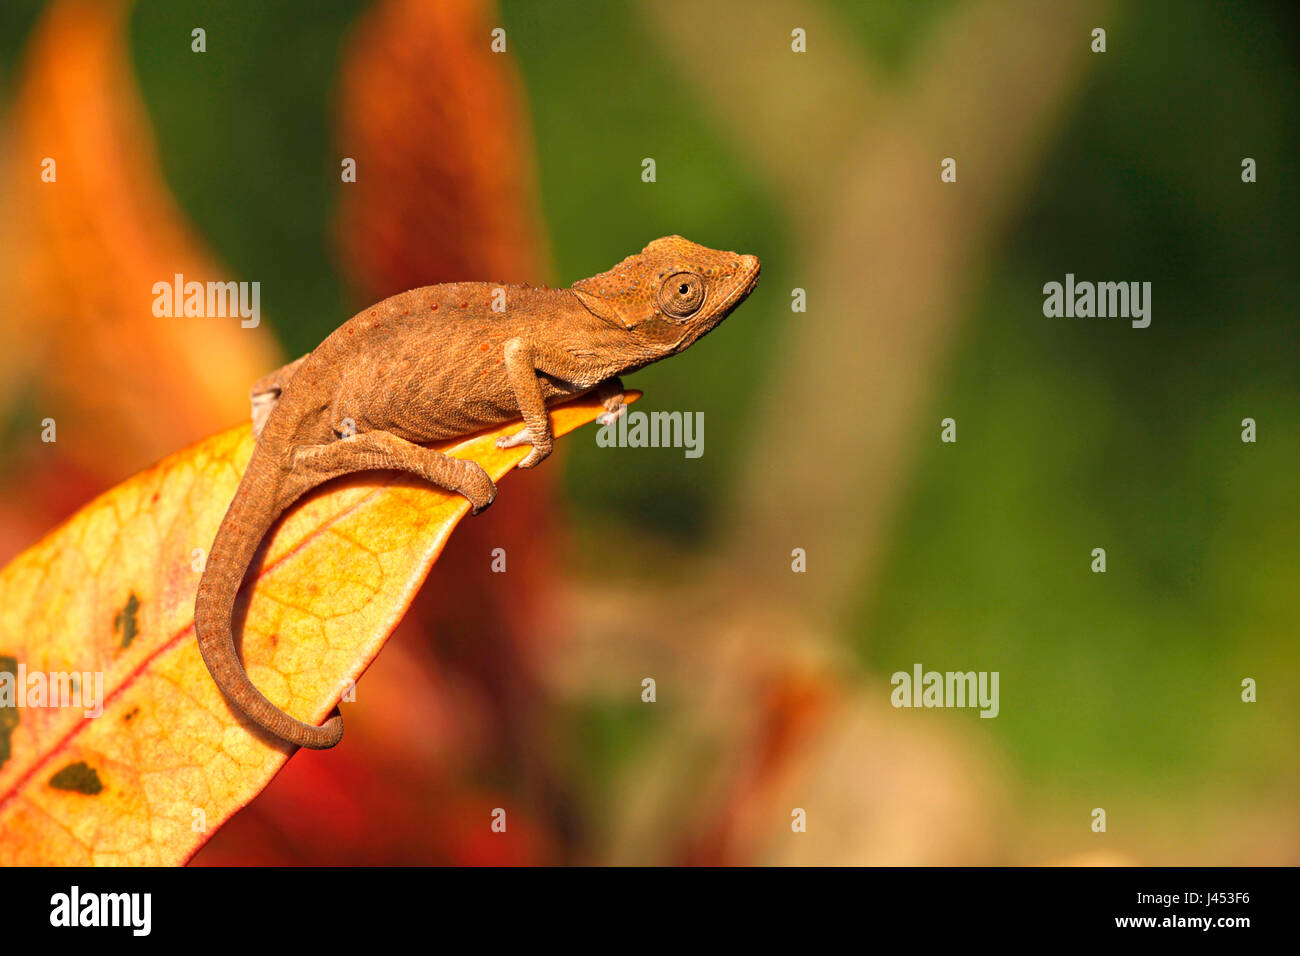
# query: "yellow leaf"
109, 596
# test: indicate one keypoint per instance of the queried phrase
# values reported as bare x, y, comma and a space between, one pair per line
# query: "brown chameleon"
442, 362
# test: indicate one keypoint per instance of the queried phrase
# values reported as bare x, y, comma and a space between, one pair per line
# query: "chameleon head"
669, 294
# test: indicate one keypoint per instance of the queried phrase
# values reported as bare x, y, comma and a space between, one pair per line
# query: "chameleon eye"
681, 295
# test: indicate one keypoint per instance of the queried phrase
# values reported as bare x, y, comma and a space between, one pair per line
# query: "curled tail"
264, 493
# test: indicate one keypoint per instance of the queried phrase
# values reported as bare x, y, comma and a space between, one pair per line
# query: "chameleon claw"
510, 441
610, 417
524, 437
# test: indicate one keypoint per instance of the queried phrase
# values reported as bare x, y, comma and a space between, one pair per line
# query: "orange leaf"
79, 258
437, 124
111, 593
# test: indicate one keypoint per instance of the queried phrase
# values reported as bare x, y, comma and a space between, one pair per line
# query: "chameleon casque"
437, 363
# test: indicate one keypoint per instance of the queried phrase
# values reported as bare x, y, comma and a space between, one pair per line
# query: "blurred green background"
1120, 689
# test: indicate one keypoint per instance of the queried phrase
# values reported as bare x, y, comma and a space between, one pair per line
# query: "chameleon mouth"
748, 278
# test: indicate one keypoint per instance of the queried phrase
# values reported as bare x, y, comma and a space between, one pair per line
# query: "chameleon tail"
261, 499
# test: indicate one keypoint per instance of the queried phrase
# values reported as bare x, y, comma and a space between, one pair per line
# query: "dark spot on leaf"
126, 623
132, 713
79, 776
8, 705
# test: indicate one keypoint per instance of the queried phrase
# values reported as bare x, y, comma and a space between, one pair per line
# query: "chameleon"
440, 362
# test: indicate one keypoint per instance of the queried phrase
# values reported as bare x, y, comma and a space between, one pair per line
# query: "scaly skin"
438, 363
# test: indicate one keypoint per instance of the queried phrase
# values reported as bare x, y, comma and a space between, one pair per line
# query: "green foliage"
1083, 433
247, 141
